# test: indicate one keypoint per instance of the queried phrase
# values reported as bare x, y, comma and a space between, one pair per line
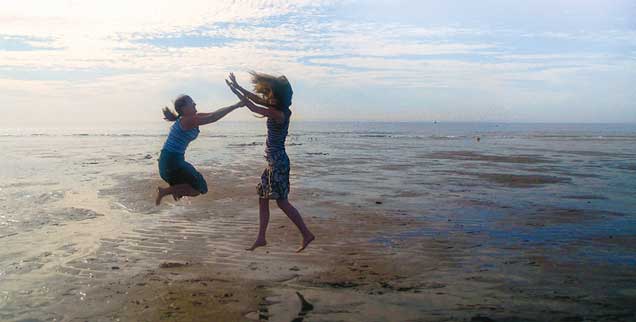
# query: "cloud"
56, 48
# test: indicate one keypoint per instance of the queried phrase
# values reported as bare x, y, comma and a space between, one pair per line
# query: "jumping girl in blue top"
183, 178
275, 99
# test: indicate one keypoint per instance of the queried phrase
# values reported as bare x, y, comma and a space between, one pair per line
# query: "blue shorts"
174, 169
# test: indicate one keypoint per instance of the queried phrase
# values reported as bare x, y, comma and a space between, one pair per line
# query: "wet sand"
369, 263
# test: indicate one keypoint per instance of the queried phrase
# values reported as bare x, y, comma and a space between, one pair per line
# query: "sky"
95, 61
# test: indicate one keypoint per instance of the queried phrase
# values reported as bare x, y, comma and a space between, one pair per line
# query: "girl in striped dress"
275, 100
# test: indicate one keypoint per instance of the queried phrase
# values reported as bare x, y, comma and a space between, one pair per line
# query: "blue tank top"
178, 139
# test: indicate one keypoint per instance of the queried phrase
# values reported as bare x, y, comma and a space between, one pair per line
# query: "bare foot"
257, 244
306, 242
160, 195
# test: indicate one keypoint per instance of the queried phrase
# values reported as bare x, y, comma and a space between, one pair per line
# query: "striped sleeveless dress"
275, 178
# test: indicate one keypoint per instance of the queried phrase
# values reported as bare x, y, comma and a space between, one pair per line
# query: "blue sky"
504, 61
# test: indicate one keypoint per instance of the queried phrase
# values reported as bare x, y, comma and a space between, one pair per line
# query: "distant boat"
434, 122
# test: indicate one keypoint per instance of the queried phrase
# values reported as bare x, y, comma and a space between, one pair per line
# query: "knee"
200, 185
282, 203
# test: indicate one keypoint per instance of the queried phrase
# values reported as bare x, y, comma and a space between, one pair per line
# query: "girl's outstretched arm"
268, 112
207, 118
253, 97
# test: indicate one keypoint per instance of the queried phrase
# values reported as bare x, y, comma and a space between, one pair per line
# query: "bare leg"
177, 191
295, 217
161, 192
263, 214
184, 190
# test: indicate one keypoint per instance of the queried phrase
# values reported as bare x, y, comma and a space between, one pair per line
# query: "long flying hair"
276, 90
181, 101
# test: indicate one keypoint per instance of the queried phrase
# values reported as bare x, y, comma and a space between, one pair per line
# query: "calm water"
542, 184
414, 165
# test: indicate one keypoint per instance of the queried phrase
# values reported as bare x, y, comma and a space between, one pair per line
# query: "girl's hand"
238, 94
233, 79
277, 115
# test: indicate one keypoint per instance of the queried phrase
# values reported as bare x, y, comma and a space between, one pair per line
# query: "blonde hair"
181, 101
276, 90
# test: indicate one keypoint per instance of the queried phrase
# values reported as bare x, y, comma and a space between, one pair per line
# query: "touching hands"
250, 100
244, 100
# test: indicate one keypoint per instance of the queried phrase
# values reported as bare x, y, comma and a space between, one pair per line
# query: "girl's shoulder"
286, 115
286, 111
187, 123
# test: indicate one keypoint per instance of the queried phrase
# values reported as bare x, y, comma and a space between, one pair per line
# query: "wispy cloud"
53, 48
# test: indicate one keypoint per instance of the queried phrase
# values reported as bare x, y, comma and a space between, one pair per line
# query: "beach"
414, 222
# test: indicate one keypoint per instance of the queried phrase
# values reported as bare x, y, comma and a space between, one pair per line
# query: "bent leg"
161, 192
295, 217
184, 190
177, 191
